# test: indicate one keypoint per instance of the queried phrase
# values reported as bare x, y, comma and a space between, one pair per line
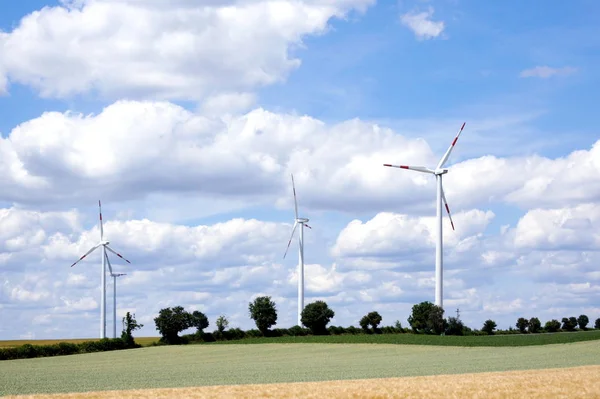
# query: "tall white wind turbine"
114, 276
439, 171
302, 222
104, 245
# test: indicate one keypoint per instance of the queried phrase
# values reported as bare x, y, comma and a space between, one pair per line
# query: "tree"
552, 325
597, 323
583, 321
264, 313
455, 326
569, 324
427, 318
372, 319
489, 326
200, 321
222, 323
522, 324
171, 321
129, 326
316, 316
436, 322
534, 325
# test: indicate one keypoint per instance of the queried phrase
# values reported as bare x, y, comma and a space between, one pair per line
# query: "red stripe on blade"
447, 209
387, 164
404, 167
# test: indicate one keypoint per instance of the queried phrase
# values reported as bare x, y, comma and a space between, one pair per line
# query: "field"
580, 382
203, 365
144, 341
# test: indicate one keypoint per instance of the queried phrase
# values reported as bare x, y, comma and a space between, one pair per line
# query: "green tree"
552, 325
372, 319
534, 325
583, 321
597, 323
427, 318
569, 324
316, 316
522, 324
171, 321
264, 313
222, 324
200, 321
489, 326
129, 326
455, 326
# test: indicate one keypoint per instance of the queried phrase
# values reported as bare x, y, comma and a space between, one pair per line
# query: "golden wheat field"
576, 382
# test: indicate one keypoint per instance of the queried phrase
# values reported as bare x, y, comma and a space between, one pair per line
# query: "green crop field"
418, 339
199, 365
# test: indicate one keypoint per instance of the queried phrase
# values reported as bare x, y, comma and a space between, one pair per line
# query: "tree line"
425, 318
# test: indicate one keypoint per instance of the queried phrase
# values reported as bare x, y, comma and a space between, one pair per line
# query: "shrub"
455, 326
597, 323
316, 316
583, 321
264, 313
534, 325
297, 331
569, 324
489, 326
372, 320
552, 325
522, 324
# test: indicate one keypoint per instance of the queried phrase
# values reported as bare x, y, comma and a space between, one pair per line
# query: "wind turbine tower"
104, 244
302, 222
438, 172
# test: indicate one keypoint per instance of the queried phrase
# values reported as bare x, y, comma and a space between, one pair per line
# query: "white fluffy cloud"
132, 150
422, 25
157, 49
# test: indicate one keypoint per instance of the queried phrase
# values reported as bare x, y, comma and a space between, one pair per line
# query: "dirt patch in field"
577, 382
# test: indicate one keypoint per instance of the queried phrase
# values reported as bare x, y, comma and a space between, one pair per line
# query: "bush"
489, 326
455, 326
371, 320
171, 321
264, 313
534, 325
552, 326
522, 324
569, 324
297, 331
353, 330
583, 321
316, 316
597, 323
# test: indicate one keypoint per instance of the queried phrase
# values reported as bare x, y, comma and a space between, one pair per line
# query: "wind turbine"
439, 171
104, 245
302, 222
114, 276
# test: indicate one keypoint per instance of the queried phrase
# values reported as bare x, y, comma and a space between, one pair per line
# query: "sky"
186, 118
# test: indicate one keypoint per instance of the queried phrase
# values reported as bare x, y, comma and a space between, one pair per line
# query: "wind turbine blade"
447, 154
101, 226
86, 254
118, 254
290, 241
308, 226
416, 168
447, 208
108, 263
295, 200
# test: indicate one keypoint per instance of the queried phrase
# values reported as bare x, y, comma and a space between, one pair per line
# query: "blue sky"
199, 136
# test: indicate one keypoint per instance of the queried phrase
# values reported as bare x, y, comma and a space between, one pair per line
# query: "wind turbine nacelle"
104, 242
302, 220
441, 171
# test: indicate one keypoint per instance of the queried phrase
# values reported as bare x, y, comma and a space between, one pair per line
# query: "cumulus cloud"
422, 25
137, 150
157, 49
546, 72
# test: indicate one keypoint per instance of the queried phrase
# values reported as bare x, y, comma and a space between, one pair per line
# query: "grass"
579, 382
418, 339
144, 341
202, 365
